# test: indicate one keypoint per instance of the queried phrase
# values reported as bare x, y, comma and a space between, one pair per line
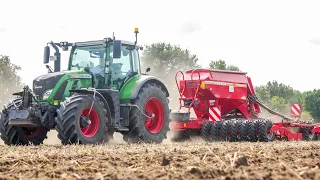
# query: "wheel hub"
84, 121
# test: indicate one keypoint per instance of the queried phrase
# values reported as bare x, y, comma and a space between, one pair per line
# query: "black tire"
15, 135
205, 131
307, 134
272, 136
264, 134
243, 130
234, 131
68, 120
252, 131
215, 131
184, 135
225, 130
138, 131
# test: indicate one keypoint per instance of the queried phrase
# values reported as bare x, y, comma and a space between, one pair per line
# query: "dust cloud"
52, 138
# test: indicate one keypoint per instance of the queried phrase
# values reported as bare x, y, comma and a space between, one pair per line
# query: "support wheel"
15, 135
151, 100
205, 131
234, 131
307, 134
252, 131
243, 130
181, 136
264, 134
215, 131
76, 126
225, 130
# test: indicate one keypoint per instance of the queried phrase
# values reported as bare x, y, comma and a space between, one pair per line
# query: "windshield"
89, 56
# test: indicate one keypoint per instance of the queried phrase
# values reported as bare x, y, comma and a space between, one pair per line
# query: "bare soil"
188, 160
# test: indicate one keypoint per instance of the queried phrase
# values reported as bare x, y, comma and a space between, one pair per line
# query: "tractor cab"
108, 69
110, 62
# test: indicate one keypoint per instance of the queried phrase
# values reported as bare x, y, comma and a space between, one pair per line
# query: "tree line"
165, 60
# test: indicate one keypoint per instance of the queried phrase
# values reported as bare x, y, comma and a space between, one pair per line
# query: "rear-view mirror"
46, 55
117, 49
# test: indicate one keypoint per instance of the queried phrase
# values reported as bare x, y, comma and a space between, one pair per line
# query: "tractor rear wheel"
151, 100
15, 135
76, 126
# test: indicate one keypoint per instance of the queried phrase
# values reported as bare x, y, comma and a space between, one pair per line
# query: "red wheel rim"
91, 129
31, 132
154, 106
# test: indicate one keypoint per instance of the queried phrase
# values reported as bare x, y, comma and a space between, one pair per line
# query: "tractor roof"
98, 42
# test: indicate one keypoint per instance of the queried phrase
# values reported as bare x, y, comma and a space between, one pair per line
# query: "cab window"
121, 67
136, 62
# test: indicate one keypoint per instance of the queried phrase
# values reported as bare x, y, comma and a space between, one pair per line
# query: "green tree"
312, 104
10, 81
281, 90
279, 97
306, 115
233, 68
165, 60
278, 104
263, 94
221, 65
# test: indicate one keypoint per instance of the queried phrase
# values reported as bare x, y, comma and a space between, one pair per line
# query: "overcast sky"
271, 40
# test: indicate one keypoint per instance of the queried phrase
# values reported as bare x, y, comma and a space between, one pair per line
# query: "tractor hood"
46, 82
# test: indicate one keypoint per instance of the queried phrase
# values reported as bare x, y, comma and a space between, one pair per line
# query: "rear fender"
146, 80
88, 91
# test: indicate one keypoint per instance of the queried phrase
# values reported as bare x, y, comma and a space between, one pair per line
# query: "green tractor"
102, 92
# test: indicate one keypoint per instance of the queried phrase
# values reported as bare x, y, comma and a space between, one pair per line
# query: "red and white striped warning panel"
214, 114
295, 109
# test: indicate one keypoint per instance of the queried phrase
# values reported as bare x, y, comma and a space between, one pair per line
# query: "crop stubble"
187, 160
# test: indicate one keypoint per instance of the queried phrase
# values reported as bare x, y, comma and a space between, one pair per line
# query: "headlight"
46, 94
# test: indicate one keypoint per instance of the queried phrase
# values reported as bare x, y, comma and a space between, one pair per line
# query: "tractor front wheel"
77, 122
149, 121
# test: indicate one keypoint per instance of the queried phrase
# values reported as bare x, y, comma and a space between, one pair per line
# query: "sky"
270, 40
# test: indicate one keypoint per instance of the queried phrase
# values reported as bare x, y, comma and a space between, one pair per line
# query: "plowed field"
188, 160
